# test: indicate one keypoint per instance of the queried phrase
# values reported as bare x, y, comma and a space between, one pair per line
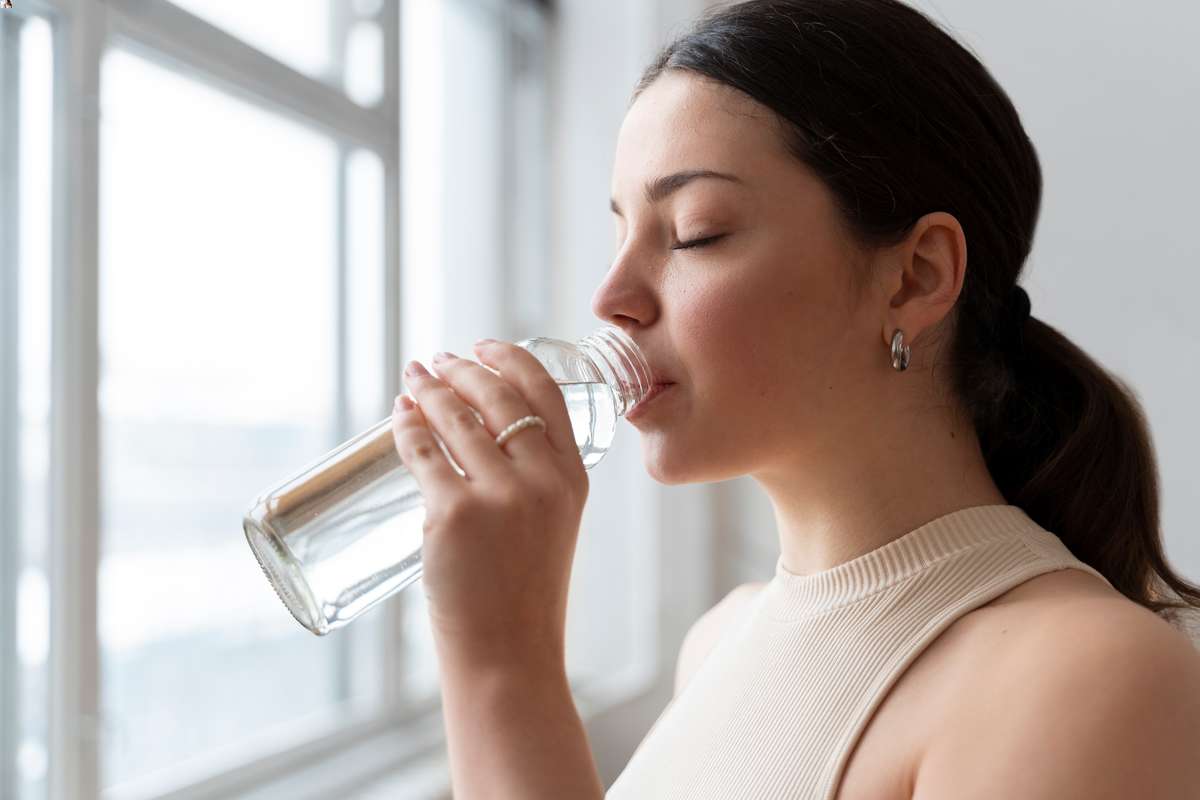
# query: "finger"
519, 367
420, 452
498, 401
469, 443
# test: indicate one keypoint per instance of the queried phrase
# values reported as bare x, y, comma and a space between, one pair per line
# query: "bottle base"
284, 574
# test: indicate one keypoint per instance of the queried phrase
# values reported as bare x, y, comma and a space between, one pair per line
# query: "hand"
498, 543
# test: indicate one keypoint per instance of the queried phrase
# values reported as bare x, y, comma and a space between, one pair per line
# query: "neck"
837, 502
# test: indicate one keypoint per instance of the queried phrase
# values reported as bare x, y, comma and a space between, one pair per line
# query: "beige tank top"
777, 706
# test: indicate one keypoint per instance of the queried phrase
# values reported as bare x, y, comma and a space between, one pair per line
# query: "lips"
658, 376
654, 392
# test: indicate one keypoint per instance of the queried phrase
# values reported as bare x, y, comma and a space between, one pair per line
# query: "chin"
667, 479
659, 464
673, 467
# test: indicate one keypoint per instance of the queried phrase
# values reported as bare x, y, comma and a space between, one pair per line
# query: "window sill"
428, 777
379, 759
325, 756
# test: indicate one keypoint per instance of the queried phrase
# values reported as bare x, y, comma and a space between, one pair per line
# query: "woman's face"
772, 358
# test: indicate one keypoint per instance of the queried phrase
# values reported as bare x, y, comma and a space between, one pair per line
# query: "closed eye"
698, 242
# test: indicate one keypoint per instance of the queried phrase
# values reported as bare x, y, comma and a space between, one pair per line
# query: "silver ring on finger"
533, 420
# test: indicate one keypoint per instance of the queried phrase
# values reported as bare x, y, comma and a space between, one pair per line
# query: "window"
201, 292
218, 373
475, 188
27, 58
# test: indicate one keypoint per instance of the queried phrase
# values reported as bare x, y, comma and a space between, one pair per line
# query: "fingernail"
404, 403
482, 342
415, 368
443, 356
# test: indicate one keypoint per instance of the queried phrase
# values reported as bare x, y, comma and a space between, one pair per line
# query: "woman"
971, 598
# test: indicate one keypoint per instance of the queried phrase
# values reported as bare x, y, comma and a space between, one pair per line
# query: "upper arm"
706, 631
1109, 710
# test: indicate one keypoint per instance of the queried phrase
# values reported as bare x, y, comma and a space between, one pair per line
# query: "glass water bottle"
346, 532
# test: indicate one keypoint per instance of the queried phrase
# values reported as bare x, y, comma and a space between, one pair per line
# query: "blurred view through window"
219, 375
25, 288
220, 311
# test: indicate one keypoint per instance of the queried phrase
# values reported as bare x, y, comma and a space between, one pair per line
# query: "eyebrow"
660, 188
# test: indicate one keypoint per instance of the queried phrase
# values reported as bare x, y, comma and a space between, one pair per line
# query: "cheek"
731, 341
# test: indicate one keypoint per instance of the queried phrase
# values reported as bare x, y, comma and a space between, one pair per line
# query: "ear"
925, 276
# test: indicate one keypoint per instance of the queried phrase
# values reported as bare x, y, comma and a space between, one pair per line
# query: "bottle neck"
620, 363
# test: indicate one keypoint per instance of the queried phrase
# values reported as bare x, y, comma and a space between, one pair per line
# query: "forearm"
516, 734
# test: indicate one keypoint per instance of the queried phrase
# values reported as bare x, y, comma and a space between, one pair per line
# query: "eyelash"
698, 242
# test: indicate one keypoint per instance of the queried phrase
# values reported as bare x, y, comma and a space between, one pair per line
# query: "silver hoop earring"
900, 351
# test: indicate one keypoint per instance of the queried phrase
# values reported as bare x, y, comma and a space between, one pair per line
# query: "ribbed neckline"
793, 596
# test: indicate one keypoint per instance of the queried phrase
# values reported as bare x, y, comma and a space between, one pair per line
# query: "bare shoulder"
706, 631
1086, 694
1071, 613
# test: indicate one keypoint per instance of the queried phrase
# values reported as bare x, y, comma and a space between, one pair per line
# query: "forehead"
684, 121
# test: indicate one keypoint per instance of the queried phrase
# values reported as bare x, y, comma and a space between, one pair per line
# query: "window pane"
365, 295
34, 114
297, 32
334, 41
423, 317
364, 63
218, 313
421, 119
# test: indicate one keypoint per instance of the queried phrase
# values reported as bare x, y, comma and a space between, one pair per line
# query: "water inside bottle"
372, 524
593, 412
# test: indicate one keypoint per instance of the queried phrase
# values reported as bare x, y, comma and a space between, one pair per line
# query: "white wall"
1111, 99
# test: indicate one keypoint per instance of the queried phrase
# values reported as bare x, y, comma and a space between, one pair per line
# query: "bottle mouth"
631, 375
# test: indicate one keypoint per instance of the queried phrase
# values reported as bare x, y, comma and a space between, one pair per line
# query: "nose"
624, 297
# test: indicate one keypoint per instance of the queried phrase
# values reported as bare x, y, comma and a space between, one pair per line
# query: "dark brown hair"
898, 120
